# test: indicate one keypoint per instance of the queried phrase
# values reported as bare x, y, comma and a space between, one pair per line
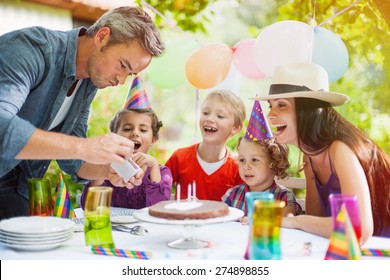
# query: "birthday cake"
195, 209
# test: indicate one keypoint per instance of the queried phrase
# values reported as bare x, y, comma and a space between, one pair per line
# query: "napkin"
63, 206
343, 241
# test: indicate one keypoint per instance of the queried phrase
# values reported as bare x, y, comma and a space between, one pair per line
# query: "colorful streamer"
375, 252
111, 251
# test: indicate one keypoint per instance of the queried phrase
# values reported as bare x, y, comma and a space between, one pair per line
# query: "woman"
338, 157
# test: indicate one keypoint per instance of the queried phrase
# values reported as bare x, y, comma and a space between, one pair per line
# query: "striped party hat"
63, 206
343, 241
137, 97
258, 127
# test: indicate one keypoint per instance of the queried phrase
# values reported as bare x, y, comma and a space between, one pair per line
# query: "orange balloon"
209, 65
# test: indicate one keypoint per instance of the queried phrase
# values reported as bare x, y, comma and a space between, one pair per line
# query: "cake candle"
178, 192
194, 191
189, 192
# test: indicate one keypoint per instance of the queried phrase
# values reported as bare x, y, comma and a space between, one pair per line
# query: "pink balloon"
244, 61
281, 43
209, 65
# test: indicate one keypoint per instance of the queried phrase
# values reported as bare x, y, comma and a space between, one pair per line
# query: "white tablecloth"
226, 241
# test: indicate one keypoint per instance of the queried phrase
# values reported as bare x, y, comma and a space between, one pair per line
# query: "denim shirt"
37, 68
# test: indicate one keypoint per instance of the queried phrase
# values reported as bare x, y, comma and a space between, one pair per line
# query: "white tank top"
63, 111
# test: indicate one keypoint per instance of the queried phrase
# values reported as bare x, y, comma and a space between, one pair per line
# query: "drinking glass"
97, 224
40, 199
352, 206
265, 230
250, 198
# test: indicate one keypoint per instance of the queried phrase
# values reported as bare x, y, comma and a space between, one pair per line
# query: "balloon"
209, 65
167, 71
330, 52
244, 61
232, 81
281, 43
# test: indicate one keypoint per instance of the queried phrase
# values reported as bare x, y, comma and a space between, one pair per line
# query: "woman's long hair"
318, 125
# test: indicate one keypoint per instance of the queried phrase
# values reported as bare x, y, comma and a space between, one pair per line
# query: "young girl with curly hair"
259, 163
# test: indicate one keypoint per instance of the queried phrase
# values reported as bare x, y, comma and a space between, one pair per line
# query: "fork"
136, 230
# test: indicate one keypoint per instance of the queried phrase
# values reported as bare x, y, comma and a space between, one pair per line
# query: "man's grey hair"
127, 24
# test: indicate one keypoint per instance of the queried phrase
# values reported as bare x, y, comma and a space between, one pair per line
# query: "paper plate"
36, 225
35, 247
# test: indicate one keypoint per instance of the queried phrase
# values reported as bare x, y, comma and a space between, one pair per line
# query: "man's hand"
108, 148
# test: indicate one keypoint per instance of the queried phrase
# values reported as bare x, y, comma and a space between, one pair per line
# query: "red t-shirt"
186, 169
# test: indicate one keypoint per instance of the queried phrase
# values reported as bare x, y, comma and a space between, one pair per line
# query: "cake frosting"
196, 209
183, 206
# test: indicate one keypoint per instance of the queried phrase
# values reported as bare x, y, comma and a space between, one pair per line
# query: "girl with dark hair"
141, 126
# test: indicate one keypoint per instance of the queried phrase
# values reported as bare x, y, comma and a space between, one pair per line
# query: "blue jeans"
12, 204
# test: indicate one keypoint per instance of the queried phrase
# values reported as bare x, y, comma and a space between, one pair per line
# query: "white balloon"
281, 43
232, 81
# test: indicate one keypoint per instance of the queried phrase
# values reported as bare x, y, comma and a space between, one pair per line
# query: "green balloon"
168, 70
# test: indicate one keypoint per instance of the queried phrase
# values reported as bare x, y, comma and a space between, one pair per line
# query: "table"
227, 241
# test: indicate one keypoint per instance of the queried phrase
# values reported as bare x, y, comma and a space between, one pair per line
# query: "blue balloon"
330, 52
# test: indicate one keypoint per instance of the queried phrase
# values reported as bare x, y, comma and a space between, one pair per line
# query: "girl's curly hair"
277, 156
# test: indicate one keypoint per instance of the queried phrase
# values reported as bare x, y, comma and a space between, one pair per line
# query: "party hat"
63, 206
137, 97
258, 128
343, 241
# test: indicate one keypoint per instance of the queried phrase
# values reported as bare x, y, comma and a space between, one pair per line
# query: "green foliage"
104, 107
186, 13
365, 34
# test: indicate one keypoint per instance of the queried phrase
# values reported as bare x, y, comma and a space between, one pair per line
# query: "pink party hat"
63, 206
258, 128
137, 97
343, 241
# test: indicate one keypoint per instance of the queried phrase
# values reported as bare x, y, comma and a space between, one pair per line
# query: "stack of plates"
35, 233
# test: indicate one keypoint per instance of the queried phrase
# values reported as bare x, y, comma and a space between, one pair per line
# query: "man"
48, 80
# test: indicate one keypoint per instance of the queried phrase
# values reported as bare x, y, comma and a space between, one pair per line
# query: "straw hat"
303, 80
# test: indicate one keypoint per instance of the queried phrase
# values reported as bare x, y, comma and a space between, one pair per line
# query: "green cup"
97, 224
40, 199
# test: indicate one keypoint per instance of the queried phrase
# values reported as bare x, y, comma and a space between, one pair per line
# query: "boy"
209, 163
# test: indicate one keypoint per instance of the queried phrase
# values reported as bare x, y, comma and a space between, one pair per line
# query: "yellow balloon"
209, 65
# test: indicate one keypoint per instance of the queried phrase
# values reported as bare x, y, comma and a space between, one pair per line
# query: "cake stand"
188, 241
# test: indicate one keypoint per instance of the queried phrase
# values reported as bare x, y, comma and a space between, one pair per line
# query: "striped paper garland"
111, 251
